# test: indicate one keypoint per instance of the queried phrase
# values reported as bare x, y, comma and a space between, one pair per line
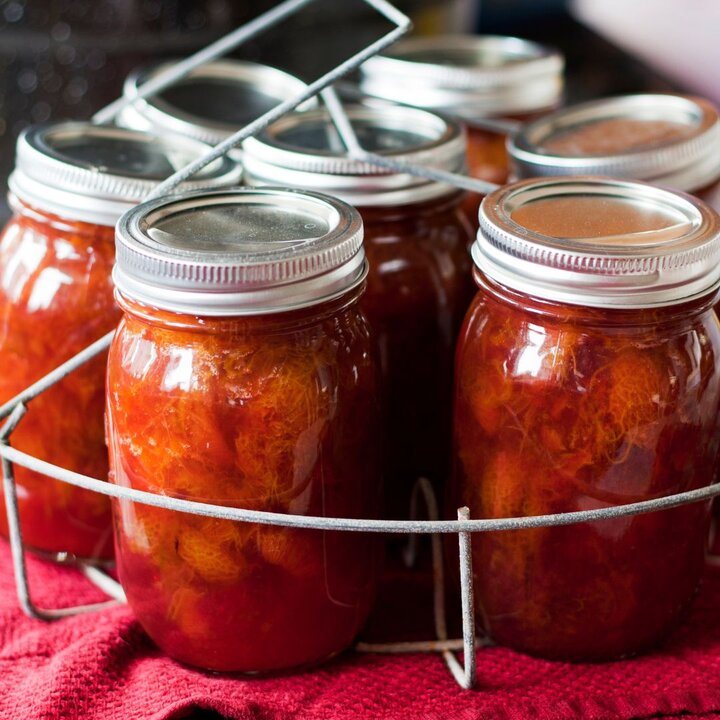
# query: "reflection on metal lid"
671, 140
94, 173
599, 242
304, 150
602, 218
239, 252
212, 102
469, 76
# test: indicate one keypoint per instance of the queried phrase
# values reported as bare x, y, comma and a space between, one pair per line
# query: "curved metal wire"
356, 151
311, 522
178, 70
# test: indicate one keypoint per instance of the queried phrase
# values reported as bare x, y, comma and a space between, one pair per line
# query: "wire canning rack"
12, 412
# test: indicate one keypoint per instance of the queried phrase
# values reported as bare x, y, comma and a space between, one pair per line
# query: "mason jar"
417, 242
587, 378
474, 78
243, 374
71, 183
667, 140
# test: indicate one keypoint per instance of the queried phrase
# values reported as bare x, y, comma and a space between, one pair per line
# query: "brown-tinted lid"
599, 242
670, 140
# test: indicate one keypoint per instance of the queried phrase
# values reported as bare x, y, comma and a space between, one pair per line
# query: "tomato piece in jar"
417, 241
419, 288
259, 416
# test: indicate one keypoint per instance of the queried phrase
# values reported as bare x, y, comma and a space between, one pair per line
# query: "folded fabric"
102, 666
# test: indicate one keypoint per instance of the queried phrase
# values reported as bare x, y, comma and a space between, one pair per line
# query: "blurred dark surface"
508, 13
595, 67
68, 58
63, 59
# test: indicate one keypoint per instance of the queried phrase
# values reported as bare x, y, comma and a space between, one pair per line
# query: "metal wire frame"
13, 410
403, 25
237, 37
503, 126
357, 152
465, 674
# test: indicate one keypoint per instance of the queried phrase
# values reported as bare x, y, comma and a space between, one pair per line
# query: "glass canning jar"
587, 377
474, 78
667, 140
212, 102
243, 374
71, 183
417, 242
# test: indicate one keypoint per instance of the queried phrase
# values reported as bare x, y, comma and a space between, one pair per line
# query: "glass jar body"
277, 413
487, 155
561, 408
710, 194
419, 288
56, 297
488, 158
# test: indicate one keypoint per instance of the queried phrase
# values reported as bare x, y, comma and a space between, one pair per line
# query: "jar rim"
687, 159
297, 150
471, 76
94, 173
239, 252
256, 87
642, 246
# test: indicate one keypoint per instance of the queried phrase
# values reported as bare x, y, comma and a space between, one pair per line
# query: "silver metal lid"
212, 102
599, 242
468, 75
239, 252
304, 150
671, 140
94, 173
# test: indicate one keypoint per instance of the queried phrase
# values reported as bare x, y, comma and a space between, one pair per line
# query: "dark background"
68, 58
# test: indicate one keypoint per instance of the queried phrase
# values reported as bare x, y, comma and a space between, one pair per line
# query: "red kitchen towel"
103, 666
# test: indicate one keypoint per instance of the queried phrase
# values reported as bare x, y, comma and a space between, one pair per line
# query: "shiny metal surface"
305, 150
212, 102
239, 252
599, 242
671, 140
466, 75
92, 173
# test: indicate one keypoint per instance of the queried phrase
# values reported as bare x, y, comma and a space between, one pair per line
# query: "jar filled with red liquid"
474, 78
212, 102
243, 374
71, 183
417, 242
588, 377
667, 140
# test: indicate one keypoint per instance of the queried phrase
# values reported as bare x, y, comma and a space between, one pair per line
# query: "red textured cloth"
103, 666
